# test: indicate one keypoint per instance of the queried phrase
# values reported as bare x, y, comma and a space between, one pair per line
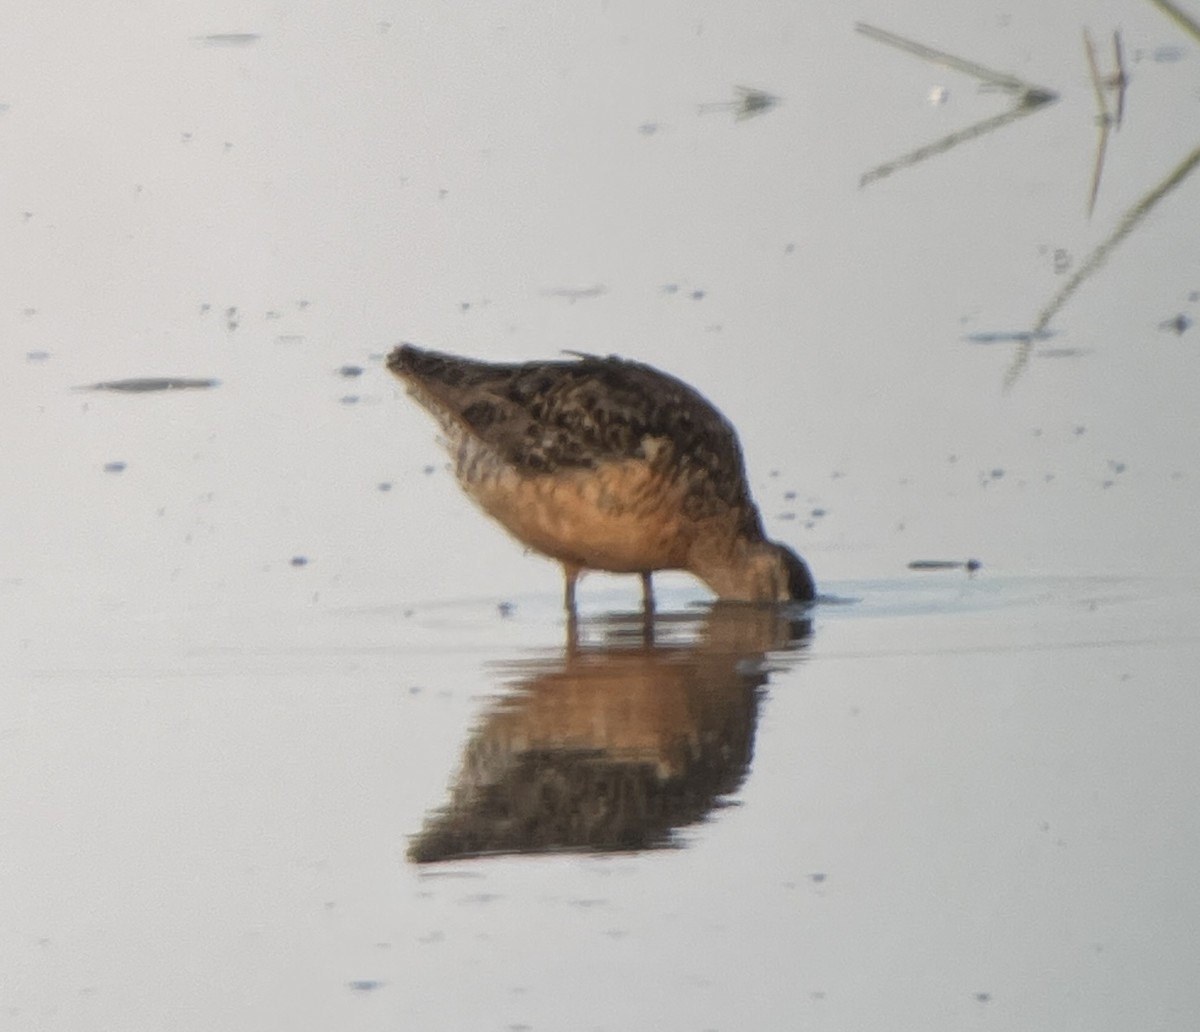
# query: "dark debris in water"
747, 102
149, 384
350, 371
114, 467
365, 985
299, 560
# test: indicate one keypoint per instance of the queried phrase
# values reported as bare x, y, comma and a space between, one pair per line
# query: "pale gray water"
255, 639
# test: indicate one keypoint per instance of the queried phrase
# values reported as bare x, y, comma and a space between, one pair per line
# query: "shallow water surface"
292, 737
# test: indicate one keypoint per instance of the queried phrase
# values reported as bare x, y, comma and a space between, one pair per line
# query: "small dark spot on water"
1177, 325
817, 513
415, 690
670, 288
427, 470
299, 560
506, 609
1116, 467
789, 496
649, 128
983, 997
114, 467
817, 877
349, 399
231, 318
36, 356
997, 473
384, 485
1165, 54
787, 516
698, 295
350, 371
789, 249
365, 985
1080, 430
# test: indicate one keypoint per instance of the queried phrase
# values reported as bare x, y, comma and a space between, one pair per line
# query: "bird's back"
562, 417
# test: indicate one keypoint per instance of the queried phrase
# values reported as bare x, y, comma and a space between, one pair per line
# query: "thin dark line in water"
228, 39
149, 384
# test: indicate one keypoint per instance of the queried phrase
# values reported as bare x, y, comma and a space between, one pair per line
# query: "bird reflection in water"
612, 745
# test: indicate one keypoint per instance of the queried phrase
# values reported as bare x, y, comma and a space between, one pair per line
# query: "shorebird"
605, 464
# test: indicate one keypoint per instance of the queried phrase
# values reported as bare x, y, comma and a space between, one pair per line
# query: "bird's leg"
571, 575
647, 594
647, 608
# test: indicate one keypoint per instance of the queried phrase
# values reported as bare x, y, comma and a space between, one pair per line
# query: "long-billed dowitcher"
605, 464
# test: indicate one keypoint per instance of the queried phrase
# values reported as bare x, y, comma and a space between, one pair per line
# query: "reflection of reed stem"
1092, 263
1094, 71
1185, 21
978, 71
944, 144
1104, 119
